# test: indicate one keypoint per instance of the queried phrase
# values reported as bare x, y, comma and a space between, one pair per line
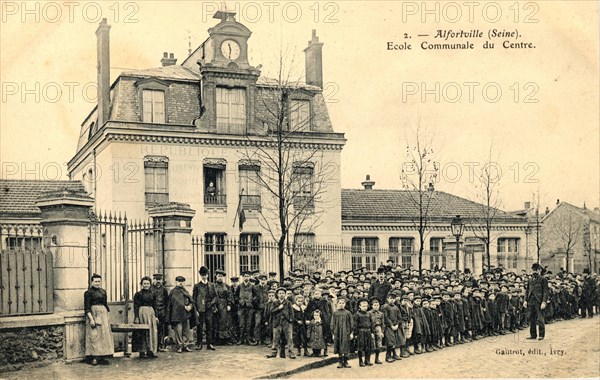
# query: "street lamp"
457, 230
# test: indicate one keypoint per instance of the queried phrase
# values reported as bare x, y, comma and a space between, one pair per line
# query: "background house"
382, 224
571, 238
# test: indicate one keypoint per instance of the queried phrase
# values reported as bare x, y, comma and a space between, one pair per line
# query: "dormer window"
153, 106
231, 110
300, 115
152, 99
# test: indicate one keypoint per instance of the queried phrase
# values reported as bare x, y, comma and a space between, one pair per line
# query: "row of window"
436, 244
249, 249
231, 110
215, 192
364, 252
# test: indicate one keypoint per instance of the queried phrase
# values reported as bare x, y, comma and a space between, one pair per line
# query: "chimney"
368, 184
102, 36
547, 211
557, 202
527, 205
313, 59
168, 59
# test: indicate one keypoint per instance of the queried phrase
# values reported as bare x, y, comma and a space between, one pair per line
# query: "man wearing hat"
180, 312
162, 301
246, 296
380, 287
262, 295
535, 300
204, 297
588, 295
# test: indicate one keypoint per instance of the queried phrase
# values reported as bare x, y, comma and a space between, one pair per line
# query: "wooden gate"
26, 271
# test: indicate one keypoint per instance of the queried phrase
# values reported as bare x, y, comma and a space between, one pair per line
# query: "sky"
534, 110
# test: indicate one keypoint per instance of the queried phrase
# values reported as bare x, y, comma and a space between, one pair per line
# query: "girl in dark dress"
144, 308
99, 343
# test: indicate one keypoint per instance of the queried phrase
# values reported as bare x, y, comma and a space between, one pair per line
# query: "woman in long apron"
144, 308
99, 342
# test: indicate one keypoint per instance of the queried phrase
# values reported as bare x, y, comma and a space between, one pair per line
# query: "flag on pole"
240, 212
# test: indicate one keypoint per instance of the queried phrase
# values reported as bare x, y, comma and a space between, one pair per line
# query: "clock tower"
227, 80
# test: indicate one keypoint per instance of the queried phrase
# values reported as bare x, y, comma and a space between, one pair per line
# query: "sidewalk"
240, 362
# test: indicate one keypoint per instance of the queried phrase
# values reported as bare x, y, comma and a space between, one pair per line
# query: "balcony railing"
302, 202
231, 129
215, 199
251, 202
153, 199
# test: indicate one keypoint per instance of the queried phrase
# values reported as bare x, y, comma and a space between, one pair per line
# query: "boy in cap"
362, 333
377, 326
162, 302
421, 328
179, 313
282, 318
299, 325
318, 302
204, 298
394, 334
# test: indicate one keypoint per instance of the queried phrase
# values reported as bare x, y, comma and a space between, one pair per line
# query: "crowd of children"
391, 310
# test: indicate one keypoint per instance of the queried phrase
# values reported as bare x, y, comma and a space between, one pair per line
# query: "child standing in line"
299, 326
362, 332
393, 338
316, 337
342, 326
377, 326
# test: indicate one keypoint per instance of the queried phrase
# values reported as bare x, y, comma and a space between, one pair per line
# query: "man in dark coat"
162, 302
204, 298
535, 300
380, 287
262, 292
179, 314
247, 296
588, 295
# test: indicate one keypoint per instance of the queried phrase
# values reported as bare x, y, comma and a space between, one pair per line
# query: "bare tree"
566, 229
540, 237
418, 176
487, 194
291, 171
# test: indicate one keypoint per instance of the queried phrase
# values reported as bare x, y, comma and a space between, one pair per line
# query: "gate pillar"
66, 219
177, 248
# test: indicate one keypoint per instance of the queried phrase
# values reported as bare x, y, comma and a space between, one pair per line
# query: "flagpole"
237, 212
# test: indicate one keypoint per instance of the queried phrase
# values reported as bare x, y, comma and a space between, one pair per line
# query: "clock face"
230, 49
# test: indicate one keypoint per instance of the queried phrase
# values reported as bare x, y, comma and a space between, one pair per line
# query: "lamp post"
457, 230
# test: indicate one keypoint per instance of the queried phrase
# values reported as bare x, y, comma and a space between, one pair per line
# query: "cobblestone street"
571, 349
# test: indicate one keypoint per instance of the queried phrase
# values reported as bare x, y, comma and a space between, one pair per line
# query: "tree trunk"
281, 258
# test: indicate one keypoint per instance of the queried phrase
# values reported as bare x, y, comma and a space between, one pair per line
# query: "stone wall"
30, 346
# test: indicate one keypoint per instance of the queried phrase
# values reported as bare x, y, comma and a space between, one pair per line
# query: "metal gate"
123, 251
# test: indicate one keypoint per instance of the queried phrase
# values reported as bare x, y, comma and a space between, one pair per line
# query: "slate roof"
176, 72
173, 72
18, 197
398, 205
